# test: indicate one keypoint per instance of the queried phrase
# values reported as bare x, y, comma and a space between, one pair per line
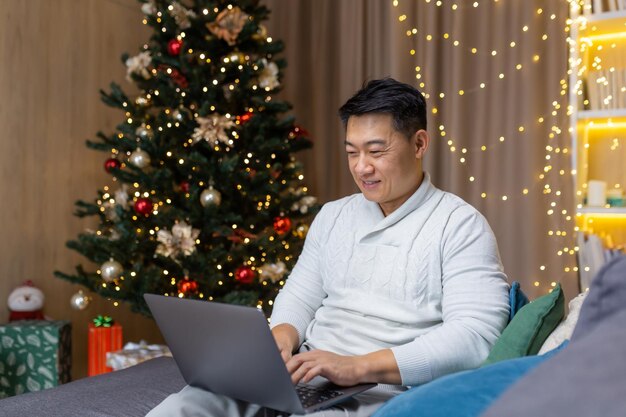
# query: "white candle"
596, 193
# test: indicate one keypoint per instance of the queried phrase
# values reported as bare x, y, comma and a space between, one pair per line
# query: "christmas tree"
206, 199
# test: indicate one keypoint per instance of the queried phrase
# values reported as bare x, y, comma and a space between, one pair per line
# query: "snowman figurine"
26, 303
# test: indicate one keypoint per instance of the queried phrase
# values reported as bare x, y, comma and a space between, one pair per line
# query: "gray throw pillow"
607, 296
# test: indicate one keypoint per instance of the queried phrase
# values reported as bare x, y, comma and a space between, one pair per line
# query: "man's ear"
421, 140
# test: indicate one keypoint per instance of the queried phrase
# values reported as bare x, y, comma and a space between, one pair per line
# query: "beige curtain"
333, 46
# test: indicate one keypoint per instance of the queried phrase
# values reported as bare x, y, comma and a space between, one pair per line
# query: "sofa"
582, 377
130, 392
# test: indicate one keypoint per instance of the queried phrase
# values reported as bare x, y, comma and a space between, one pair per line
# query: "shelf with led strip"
608, 21
599, 40
602, 211
601, 114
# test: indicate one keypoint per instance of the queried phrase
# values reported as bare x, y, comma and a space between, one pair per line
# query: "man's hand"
379, 367
287, 340
342, 370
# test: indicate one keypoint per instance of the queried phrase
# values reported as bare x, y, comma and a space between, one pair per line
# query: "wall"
55, 57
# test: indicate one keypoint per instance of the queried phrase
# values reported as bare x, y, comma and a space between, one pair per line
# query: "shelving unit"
598, 127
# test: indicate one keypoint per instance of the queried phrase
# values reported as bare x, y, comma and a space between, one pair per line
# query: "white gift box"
134, 353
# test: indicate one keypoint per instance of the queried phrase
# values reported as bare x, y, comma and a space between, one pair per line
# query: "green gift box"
34, 355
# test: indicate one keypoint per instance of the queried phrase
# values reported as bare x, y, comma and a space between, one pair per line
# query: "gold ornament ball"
142, 101
301, 230
80, 301
238, 57
139, 158
210, 197
260, 34
111, 270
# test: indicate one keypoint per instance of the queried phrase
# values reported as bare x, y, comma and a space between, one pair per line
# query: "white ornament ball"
111, 270
139, 158
143, 133
210, 197
178, 115
80, 301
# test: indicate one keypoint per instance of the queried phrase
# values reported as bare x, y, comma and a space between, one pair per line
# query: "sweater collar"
419, 197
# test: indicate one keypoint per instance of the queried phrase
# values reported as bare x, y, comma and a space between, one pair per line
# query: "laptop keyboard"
310, 396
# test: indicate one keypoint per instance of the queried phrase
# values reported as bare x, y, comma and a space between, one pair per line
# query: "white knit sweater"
425, 281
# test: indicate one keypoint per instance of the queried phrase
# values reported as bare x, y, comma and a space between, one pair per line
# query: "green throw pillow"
529, 328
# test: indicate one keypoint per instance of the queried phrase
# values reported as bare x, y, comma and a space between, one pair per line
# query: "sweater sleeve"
474, 303
303, 291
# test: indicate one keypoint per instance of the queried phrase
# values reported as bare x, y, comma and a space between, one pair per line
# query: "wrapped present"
134, 353
104, 336
34, 355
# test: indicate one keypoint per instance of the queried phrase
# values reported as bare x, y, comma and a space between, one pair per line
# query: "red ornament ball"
179, 79
111, 163
176, 76
282, 225
143, 206
174, 47
187, 286
184, 186
245, 275
245, 117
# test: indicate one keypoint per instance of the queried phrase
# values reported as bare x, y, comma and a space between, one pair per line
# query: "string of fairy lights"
556, 153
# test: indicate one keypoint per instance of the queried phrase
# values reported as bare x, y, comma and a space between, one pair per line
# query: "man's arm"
287, 340
302, 294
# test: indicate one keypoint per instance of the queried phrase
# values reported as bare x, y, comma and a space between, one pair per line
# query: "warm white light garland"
556, 154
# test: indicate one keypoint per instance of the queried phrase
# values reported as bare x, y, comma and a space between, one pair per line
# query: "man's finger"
296, 376
286, 355
312, 373
292, 364
298, 373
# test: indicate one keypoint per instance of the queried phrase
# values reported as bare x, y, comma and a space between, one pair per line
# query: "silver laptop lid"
225, 349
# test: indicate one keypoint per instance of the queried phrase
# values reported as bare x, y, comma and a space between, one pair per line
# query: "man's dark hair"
403, 102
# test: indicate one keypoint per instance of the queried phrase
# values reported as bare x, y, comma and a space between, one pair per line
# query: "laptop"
229, 350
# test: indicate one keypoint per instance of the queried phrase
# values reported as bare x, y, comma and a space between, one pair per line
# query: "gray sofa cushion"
588, 377
130, 392
607, 297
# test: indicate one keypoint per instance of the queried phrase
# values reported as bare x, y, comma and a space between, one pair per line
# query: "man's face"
385, 164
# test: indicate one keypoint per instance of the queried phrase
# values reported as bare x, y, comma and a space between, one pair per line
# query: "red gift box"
100, 341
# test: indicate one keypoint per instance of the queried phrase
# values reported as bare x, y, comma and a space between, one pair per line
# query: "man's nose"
363, 165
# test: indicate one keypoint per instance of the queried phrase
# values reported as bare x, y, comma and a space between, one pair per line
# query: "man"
397, 285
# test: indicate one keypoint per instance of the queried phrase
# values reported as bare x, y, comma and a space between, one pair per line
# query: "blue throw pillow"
517, 299
463, 394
